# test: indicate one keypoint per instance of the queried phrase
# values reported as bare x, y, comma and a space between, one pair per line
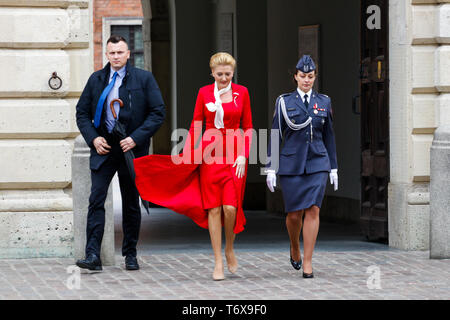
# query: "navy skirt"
303, 191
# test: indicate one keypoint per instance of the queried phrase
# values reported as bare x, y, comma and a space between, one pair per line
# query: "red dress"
204, 178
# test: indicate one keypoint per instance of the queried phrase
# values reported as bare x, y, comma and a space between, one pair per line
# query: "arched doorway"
178, 44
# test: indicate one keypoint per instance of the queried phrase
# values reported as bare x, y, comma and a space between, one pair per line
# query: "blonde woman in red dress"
211, 190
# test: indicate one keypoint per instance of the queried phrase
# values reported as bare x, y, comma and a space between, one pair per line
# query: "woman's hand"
240, 166
334, 178
271, 180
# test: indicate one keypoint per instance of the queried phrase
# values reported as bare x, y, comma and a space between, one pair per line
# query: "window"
131, 30
133, 35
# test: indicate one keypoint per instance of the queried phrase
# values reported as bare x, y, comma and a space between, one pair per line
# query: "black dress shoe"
92, 262
131, 263
308, 275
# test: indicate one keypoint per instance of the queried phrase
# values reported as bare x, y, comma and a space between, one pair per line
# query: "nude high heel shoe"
218, 275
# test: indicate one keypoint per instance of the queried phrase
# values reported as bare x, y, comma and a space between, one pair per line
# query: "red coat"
163, 180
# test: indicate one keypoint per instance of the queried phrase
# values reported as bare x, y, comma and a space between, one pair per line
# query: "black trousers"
131, 211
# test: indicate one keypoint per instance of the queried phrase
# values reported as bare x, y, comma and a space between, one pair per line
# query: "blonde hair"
222, 58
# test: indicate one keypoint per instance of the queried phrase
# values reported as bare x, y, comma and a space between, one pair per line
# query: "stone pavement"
261, 276
177, 263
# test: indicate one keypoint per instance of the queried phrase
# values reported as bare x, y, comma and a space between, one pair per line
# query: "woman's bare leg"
230, 221
310, 231
215, 232
294, 227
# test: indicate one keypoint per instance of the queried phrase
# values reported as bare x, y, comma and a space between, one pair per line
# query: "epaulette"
283, 95
278, 99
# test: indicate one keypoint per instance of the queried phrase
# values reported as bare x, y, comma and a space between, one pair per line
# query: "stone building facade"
37, 123
420, 102
37, 126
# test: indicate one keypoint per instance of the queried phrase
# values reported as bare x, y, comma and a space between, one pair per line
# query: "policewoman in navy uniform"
306, 159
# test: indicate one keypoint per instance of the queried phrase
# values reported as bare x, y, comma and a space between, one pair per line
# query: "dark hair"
116, 39
294, 71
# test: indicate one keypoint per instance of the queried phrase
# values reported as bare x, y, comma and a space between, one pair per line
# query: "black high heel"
308, 275
296, 264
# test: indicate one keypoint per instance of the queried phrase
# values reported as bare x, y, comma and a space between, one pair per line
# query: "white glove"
271, 180
240, 166
334, 178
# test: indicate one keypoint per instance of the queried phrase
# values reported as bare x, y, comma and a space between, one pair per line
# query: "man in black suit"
142, 113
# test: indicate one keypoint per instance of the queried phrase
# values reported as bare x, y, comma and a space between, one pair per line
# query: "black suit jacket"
143, 111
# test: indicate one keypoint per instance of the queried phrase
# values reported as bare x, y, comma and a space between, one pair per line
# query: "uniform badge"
316, 112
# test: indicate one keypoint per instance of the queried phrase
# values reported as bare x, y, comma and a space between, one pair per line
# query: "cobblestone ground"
262, 275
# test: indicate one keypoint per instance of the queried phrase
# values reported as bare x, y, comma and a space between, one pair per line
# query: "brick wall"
111, 8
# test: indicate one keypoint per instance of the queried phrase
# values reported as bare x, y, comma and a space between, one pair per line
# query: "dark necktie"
306, 101
101, 101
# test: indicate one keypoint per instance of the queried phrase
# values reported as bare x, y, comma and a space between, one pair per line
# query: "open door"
374, 109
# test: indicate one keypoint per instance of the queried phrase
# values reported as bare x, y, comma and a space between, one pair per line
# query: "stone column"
81, 188
419, 49
225, 38
440, 195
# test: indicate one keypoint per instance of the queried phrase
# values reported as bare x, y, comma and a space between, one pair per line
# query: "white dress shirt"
302, 94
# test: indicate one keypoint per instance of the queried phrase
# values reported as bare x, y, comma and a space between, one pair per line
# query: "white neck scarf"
217, 106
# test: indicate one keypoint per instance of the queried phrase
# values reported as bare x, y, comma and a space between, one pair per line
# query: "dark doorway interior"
266, 54
339, 69
374, 112
164, 231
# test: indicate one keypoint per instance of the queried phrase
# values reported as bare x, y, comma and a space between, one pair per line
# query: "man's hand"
101, 146
127, 144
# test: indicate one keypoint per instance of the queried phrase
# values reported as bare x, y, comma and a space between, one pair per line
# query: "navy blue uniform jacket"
299, 154
143, 111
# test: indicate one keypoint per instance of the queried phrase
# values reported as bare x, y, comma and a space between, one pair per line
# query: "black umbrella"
120, 133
